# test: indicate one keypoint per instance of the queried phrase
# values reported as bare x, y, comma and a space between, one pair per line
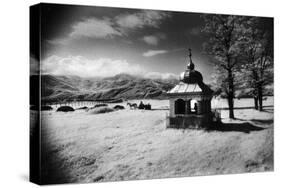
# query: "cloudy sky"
98, 41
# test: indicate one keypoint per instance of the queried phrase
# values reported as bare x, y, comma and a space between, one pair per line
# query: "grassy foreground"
135, 144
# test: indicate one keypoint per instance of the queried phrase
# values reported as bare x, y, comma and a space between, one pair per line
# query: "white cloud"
151, 53
109, 27
154, 18
152, 40
58, 41
140, 19
102, 67
158, 75
95, 28
80, 66
129, 21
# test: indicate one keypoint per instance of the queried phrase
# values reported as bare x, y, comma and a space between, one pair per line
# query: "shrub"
100, 105
101, 110
82, 108
118, 107
65, 109
216, 116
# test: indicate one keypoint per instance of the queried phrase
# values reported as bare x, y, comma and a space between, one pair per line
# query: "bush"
65, 109
101, 110
82, 108
216, 116
118, 107
100, 105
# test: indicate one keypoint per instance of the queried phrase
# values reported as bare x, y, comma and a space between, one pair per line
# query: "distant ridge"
125, 86
121, 86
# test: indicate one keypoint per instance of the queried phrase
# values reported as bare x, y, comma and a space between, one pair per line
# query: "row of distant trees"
242, 52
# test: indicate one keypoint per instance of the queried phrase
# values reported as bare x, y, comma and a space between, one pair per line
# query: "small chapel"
190, 100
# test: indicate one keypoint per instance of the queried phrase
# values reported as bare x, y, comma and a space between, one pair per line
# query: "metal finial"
190, 65
190, 54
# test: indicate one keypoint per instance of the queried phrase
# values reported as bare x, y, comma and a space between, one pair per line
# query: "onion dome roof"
190, 75
191, 83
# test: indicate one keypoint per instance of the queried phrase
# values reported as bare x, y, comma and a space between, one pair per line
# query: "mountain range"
121, 86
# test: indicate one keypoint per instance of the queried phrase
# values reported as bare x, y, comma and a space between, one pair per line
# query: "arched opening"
179, 106
193, 106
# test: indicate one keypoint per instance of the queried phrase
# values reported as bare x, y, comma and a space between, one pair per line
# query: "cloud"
151, 53
141, 19
152, 40
58, 41
158, 75
106, 27
129, 21
154, 18
95, 28
80, 66
102, 67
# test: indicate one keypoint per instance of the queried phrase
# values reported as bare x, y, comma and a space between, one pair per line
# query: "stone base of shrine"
191, 121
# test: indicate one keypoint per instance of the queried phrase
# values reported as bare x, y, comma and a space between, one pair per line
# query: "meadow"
135, 144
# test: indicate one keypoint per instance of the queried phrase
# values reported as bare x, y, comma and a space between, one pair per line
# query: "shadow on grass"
257, 121
153, 109
262, 121
247, 107
245, 127
268, 110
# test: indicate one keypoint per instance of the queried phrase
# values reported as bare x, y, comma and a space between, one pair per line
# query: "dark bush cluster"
65, 109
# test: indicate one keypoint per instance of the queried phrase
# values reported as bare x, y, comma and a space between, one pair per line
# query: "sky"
91, 41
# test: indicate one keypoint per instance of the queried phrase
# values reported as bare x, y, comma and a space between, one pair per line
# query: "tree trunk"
230, 94
260, 88
256, 102
230, 104
255, 77
260, 96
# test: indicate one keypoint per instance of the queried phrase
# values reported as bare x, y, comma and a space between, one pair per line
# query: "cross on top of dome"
190, 65
190, 75
191, 83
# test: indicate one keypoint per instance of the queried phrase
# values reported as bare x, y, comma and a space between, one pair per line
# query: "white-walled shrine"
190, 100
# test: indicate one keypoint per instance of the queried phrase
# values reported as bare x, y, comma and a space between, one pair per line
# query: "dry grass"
135, 144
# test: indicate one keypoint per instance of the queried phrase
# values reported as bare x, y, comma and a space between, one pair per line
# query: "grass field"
135, 144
